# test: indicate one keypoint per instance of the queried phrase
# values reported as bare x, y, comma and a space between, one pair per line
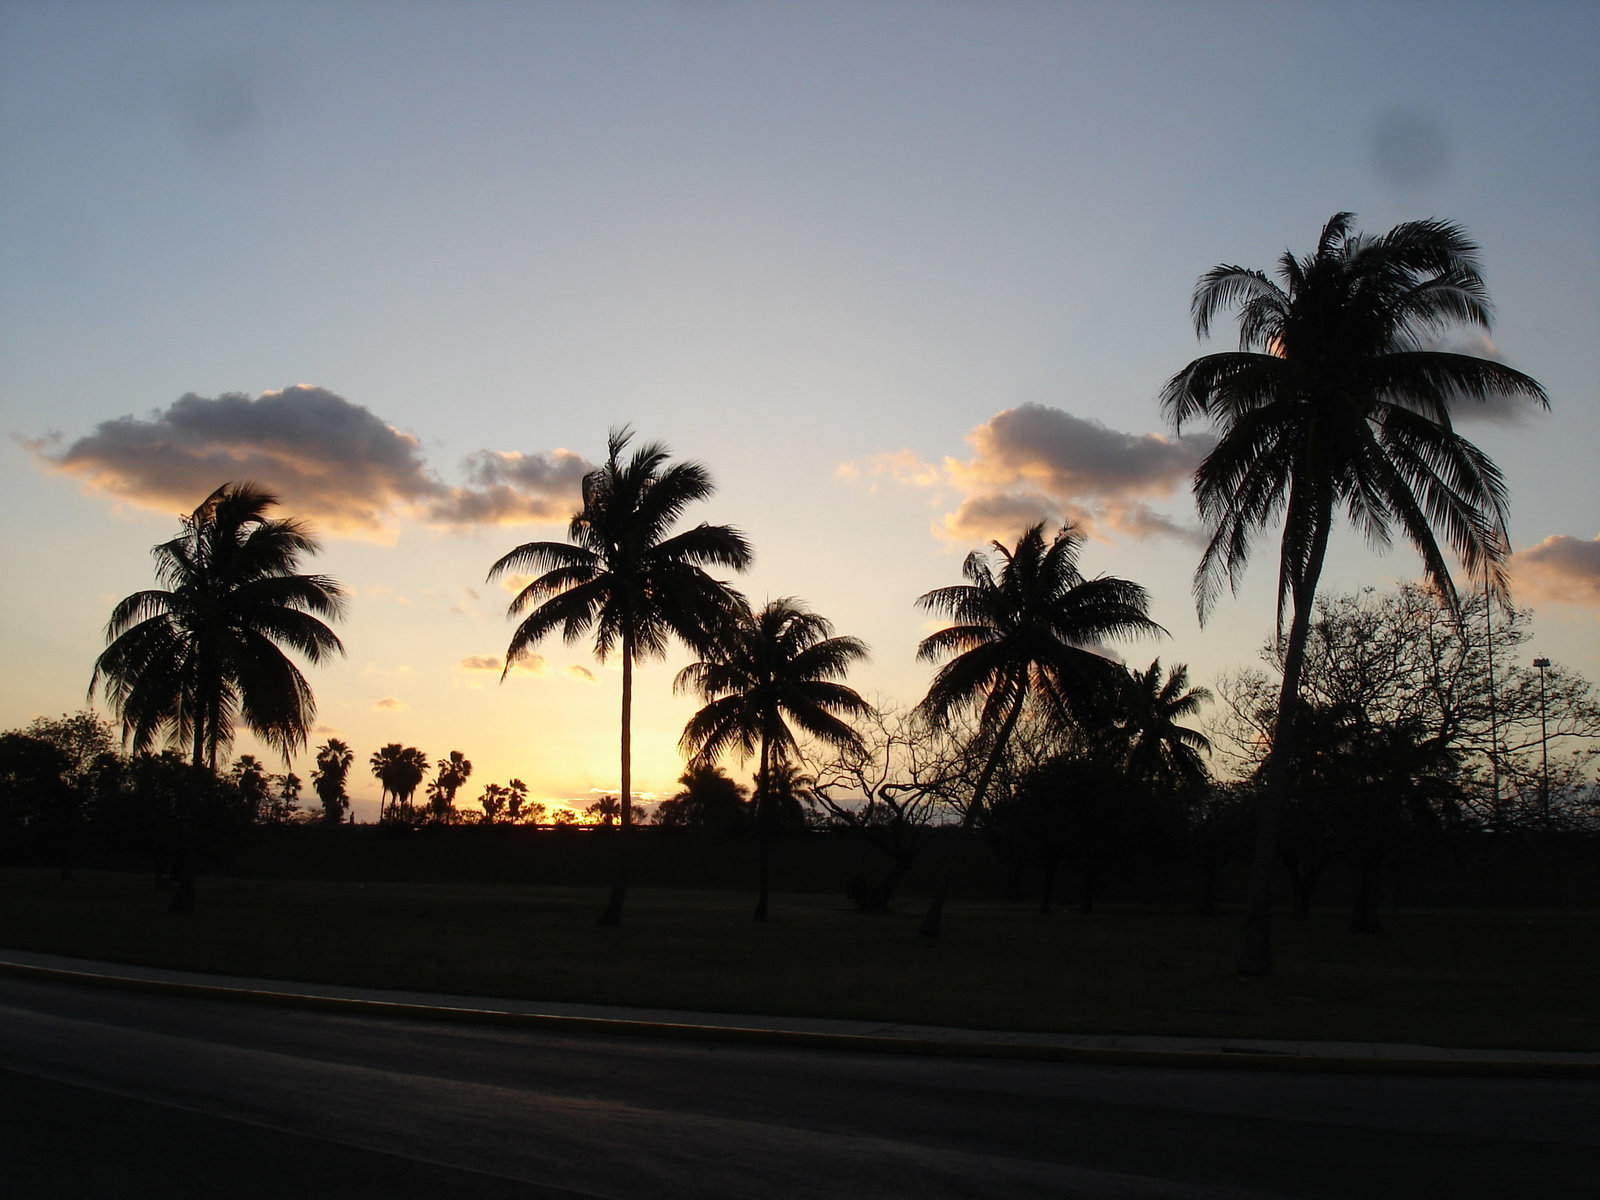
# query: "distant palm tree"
632, 581
410, 770
400, 770
1159, 749
516, 797
1334, 401
774, 667
1021, 635
452, 772
205, 650
333, 768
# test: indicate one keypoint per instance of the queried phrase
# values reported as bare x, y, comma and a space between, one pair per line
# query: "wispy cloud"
532, 664
582, 674
328, 459
1561, 570
390, 704
1034, 463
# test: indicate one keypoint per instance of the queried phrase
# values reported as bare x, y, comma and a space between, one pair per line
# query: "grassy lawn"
1473, 978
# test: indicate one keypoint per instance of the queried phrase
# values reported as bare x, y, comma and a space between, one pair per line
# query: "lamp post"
1544, 745
1494, 724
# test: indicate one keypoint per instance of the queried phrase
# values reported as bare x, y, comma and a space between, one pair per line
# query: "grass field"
1457, 978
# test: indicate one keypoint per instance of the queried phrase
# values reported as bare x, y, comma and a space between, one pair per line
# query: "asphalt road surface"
116, 1094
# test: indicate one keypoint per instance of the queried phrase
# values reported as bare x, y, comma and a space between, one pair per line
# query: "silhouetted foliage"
707, 799
334, 760
907, 774
400, 771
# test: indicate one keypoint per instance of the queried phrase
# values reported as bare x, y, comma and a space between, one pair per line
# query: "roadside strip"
955, 1043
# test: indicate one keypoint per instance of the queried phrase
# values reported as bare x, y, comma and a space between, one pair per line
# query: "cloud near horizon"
1560, 570
1034, 463
327, 459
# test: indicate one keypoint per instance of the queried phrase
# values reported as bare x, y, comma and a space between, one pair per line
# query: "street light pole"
1544, 744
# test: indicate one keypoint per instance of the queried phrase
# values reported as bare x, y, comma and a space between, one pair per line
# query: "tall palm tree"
1159, 749
779, 666
1334, 401
1022, 634
204, 650
334, 759
625, 575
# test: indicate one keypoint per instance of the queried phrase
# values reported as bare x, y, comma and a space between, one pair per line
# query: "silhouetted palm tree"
774, 667
1018, 635
400, 770
1334, 401
452, 773
1160, 750
188, 660
628, 578
333, 768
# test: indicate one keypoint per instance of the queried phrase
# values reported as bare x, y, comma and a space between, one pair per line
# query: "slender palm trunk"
1255, 956
763, 832
933, 919
183, 876
619, 880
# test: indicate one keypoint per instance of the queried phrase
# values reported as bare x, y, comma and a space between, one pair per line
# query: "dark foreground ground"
115, 1094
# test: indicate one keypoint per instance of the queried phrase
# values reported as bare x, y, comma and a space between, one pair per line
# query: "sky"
905, 277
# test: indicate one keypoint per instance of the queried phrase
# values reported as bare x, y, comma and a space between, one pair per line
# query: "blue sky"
901, 275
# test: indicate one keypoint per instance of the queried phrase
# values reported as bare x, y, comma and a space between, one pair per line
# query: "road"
118, 1094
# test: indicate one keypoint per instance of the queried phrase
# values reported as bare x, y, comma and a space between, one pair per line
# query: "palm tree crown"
628, 578
1159, 748
1023, 632
777, 666
204, 651
1334, 400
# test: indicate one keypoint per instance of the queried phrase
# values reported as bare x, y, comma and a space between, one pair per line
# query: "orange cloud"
533, 664
583, 674
1560, 570
391, 704
1033, 463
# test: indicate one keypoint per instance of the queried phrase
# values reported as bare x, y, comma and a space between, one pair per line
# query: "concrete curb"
957, 1047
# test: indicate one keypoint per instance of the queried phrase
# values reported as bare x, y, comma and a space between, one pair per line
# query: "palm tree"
410, 768
399, 769
627, 577
205, 649
383, 763
334, 759
1334, 401
452, 773
774, 667
1018, 635
1160, 750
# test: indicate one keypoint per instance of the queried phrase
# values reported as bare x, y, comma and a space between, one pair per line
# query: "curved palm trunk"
763, 833
619, 880
1255, 957
933, 919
